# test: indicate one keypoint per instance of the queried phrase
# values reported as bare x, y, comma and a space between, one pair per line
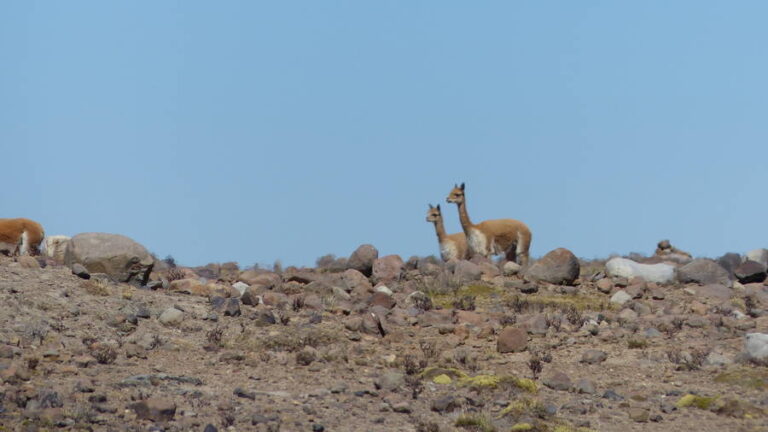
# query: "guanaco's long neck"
466, 224
440, 230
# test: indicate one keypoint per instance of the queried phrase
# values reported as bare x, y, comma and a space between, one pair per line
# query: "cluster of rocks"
375, 342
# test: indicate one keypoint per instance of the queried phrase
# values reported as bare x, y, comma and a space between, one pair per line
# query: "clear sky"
252, 132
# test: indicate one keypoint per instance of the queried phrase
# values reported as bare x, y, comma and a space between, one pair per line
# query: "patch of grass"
566, 303
637, 343
95, 287
521, 407
496, 381
691, 400
751, 378
479, 293
475, 422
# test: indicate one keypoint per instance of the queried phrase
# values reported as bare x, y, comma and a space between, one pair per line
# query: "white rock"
620, 297
756, 345
171, 316
758, 255
240, 287
383, 289
658, 273
511, 268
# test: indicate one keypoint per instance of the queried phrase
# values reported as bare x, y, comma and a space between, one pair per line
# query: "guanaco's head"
434, 214
456, 195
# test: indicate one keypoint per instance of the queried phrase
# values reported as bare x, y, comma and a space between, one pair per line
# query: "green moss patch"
751, 378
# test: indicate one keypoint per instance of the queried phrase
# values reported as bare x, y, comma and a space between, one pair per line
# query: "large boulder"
362, 259
387, 269
730, 262
559, 266
623, 267
758, 255
750, 271
703, 271
121, 258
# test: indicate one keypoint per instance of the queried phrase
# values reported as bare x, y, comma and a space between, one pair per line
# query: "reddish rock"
469, 317
512, 339
260, 278
387, 269
382, 299
362, 259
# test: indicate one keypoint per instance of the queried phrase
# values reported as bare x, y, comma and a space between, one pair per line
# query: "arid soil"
438, 348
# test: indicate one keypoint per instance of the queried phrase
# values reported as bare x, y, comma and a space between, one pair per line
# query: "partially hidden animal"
509, 237
452, 246
20, 236
55, 246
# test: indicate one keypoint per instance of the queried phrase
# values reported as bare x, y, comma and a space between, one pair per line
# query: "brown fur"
457, 241
503, 236
12, 233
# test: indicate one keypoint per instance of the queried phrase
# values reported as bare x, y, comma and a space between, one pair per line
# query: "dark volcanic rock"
750, 271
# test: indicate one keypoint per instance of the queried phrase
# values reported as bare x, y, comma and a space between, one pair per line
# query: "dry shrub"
97, 287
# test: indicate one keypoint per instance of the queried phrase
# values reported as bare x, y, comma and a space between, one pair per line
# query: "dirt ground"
97, 355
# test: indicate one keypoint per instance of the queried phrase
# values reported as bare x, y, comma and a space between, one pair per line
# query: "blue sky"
254, 131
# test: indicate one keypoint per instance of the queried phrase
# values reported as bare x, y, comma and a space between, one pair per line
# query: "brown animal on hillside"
20, 236
452, 246
493, 237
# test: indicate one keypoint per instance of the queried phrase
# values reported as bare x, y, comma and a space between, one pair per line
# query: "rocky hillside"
369, 343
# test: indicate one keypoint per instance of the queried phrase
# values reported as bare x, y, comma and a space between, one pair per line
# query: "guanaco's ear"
430, 206
462, 186
438, 207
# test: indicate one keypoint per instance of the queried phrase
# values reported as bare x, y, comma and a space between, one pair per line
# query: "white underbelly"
448, 251
478, 242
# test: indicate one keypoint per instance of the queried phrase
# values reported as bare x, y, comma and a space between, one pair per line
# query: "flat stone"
512, 339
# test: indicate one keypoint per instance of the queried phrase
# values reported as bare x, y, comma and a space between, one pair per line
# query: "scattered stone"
585, 386
750, 271
560, 267
467, 271
593, 356
154, 409
703, 271
622, 267
758, 256
512, 339
80, 271
240, 287
229, 306
362, 259
116, 255
558, 381
241, 393
306, 356
511, 268
171, 316
444, 404
390, 381
250, 297
639, 414
620, 297
604, 285
756, 345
